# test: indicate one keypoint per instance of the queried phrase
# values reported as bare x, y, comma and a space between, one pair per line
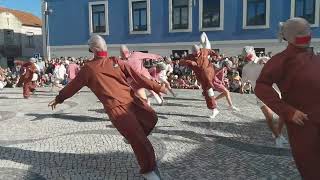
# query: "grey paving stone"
78, 141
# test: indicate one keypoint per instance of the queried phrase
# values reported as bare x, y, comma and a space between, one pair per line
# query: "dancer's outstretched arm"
142, 56
212, 53
71, 88
141, 80
189, 63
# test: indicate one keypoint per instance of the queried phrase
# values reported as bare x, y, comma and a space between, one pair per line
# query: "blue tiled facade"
69, 23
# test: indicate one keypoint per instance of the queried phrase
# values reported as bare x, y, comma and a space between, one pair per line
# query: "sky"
32, 6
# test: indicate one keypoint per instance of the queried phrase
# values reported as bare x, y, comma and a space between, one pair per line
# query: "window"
311, 49
216, 50
10, 62
211, 14
139, 17
9, 37
260, 51
256, 14
98, 17
178, 54
30, 40
307, 9
180, 15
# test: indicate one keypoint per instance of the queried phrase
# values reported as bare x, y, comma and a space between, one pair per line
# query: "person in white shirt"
59, 75
165, 69
250, 74
35, 77
2, 78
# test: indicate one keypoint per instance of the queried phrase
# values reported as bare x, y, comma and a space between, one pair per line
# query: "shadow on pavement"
182, 115
4, 97
244, 136
77, 118
210, 160
184, 99
177, 105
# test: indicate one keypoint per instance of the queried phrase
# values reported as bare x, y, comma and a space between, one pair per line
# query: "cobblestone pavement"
77, 141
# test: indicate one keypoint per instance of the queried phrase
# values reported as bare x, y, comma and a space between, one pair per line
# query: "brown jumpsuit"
204, 71
295, 72
133, 118
28, 85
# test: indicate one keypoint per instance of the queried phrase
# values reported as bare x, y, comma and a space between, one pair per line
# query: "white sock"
151, 176
215, 112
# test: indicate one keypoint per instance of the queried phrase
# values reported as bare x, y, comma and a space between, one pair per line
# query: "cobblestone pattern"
77, 141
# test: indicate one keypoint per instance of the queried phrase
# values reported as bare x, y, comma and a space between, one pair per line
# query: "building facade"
172, 26
20, 36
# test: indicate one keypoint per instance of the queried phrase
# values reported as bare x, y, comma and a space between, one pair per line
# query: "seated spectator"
246, 88
182, 84
235, 85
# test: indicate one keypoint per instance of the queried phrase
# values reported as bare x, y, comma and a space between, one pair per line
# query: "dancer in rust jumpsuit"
217, 83
198, 61
28, 69
295, 71
131, 115
135, 61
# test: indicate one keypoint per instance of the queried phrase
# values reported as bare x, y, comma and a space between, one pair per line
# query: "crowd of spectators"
59, 71
229, 68
51, 73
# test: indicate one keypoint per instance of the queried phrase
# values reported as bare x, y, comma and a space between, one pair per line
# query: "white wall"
9, 21
229, 48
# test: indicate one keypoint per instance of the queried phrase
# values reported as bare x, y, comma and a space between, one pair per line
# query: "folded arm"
272, 73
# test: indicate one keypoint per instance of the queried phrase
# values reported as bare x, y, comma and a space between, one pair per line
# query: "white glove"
210, 92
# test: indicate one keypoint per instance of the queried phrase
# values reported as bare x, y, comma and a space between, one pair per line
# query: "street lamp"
47, 12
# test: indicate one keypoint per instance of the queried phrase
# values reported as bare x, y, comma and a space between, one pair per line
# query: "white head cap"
33, 60
97, 44
195, 49
124, 51
204, 41
296, 31
124, 48
168, 60
161, 66
249, 54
